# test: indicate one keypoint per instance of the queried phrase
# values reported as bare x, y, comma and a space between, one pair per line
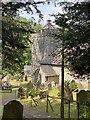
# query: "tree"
75, 19
13, 8
16, 32
15, 41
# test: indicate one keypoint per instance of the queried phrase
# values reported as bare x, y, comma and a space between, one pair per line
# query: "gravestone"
88, 96
82, 97
67, 93
49, 86
21, 92
29, 85
13, 109
43, 93
0, 84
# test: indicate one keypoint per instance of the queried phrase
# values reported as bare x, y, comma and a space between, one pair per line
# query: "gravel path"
8, 97
29, 112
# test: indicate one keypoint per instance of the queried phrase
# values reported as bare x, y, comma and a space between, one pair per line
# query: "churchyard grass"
56, 106
1, 110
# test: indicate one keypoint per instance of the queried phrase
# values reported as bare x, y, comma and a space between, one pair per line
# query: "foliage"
56, 106
74, 31
13, 8
16, 37
72, 85
32, 92
37, 27
15, 43
85, 111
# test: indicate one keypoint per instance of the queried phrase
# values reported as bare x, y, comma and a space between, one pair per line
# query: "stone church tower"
45, 65
43, 45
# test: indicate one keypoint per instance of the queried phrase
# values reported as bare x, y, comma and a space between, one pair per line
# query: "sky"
46, 10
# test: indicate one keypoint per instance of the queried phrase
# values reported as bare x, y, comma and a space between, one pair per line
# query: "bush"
32, 92
84, 111
72, 85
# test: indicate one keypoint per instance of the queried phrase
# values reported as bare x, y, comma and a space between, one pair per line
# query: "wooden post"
62, 79
47, 104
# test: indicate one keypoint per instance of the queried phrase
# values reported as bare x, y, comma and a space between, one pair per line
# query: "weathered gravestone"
21, 92
67, 93
82, 97
43, 93
88, 96
0, 84
13, 110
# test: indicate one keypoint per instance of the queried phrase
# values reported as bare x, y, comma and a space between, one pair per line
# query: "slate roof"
48, 70
50, 60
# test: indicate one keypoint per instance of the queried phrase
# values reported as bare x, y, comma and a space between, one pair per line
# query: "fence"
78, 111
49, 104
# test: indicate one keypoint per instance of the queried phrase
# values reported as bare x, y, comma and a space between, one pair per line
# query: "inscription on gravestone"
13, 109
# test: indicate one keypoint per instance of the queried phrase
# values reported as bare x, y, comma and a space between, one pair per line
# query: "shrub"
84, 111
71, 85
32, 92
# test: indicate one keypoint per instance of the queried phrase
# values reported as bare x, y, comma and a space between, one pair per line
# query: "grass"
25, 101
53, 92
1, 110
16, 84
42, 102
56, 105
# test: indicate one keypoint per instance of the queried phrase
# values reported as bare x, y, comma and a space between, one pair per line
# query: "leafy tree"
13, 8
16, 32
76, 35
15, 41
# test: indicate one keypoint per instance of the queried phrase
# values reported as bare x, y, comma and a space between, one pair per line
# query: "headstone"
67, 93
26, 78
21, 92
13, 109
88, 96
43, 93
49, 86
29, 85
82, 97
21, 78
0, 84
